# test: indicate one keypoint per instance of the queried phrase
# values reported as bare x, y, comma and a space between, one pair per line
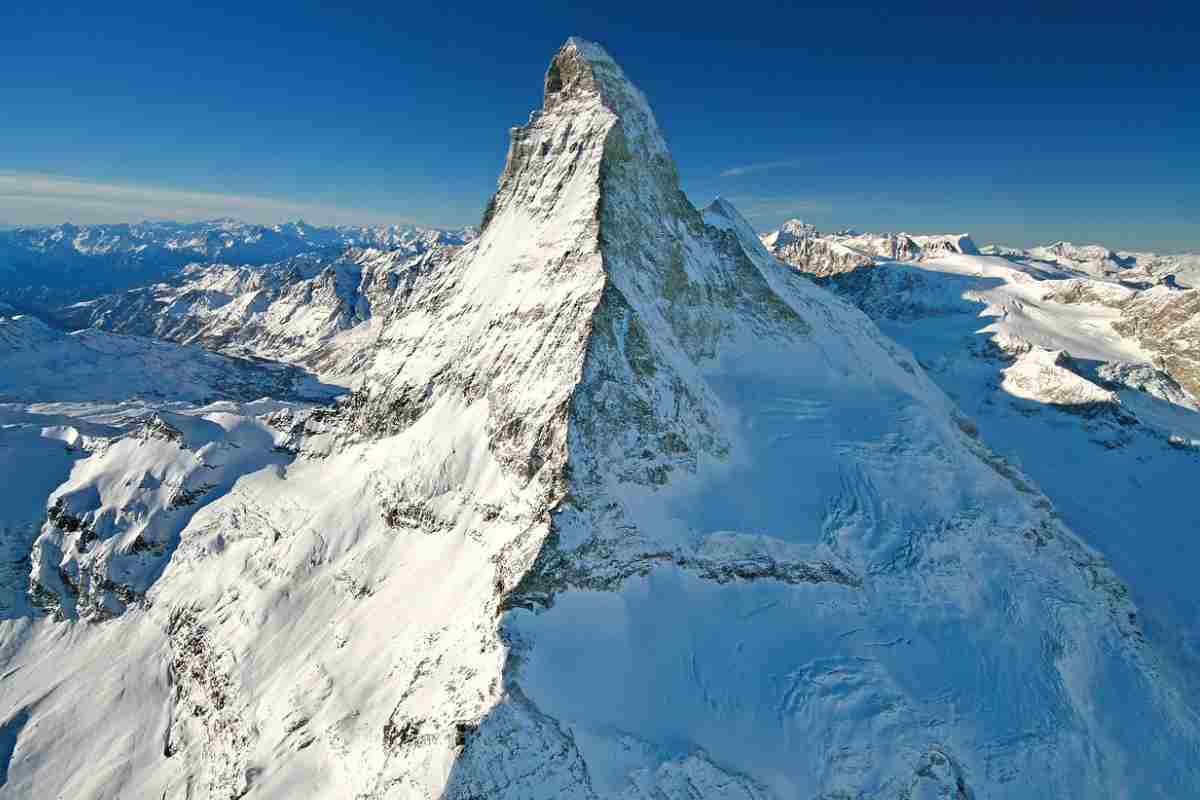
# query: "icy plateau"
617, 500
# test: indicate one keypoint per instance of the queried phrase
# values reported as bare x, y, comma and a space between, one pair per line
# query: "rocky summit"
619, 505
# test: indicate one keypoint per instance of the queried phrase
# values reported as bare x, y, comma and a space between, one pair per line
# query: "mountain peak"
721, 213
573, 67
790, 232
723, 207
580, 70
799, 228
591, 114
583, 72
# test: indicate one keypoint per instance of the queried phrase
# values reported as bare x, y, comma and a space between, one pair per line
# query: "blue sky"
1049, 121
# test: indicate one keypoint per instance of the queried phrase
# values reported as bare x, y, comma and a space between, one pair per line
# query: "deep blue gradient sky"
1048, 121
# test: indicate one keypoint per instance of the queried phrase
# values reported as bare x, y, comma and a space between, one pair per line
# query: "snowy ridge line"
214, 240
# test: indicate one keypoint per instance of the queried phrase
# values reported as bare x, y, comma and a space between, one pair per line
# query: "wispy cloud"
771, 210
765, 166
31, 199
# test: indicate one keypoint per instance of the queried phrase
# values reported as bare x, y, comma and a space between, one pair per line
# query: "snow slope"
623, 508
1085, 383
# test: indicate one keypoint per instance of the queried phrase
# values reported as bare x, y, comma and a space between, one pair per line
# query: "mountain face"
42, 267
621, 507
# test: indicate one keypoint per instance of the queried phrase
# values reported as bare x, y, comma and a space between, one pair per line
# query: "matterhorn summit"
621, 507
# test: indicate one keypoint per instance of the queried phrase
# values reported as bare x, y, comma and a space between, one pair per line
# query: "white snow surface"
1088, 385
622, 507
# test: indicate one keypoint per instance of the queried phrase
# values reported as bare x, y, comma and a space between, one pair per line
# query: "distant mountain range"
831, 252
44, 265
321, 311
1142, 300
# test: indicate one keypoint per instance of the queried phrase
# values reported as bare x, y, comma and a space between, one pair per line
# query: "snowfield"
1052, 367
620, 502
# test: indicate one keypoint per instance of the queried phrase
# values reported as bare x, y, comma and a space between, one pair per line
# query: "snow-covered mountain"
823, 254
799, 242
65, 397
622, 507
41, 264
1059, 298
324, 312
1167, 324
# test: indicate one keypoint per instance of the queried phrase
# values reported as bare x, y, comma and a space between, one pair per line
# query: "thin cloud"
770, 210
32, 199
750, 169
